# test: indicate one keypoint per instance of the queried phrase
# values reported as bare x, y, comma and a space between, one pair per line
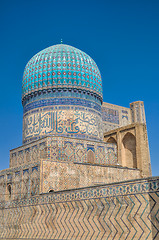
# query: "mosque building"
80, 156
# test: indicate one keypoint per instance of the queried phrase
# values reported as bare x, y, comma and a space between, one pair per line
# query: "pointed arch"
9, 189
90, 157
129, 153
113, 151
112, 140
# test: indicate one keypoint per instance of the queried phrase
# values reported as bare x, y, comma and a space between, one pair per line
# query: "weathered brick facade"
125, 210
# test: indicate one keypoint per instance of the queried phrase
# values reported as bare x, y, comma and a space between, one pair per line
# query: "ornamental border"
138, 186
59, 88
61, 101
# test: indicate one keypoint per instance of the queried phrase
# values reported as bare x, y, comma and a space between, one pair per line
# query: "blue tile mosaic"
110, 115
61, 101
61, 66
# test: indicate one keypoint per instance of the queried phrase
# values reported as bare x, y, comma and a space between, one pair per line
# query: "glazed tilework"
67, 163
118, 211
62, 97
110, 115
74, 150
64, 149
126, 188
80, 122
138, 112
64, 112
61, 66
61, 101
61, 93
114, 116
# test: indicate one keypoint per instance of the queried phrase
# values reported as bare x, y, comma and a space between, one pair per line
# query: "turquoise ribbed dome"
61, 67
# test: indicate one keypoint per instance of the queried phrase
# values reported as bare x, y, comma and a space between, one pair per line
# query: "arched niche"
129, 150
34, 181
112, 140
90, 157
9, 190
112, 152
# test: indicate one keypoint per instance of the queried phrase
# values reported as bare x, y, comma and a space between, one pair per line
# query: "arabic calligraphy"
62, 122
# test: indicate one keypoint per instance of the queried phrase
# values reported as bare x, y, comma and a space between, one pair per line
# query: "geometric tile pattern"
112, 155
100, 154
110, 115
114, 116
52, 101
61, 66
132, 213
138, 112
50, 78
69, 149
62, 149
80, 152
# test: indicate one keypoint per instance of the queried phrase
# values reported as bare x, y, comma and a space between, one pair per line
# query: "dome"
62, 95
61, 67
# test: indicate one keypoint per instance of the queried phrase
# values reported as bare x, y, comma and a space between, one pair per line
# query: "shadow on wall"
129, 150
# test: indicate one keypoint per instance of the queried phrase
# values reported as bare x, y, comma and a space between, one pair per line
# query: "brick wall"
127, 210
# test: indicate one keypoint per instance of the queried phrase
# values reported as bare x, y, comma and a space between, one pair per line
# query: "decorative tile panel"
110, 115
78, 122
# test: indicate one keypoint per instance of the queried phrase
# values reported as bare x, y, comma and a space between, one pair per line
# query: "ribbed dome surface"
61, 66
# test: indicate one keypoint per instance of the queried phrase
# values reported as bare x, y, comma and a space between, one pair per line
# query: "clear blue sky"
121, 36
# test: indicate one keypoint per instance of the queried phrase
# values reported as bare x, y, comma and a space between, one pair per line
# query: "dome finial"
61, 41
